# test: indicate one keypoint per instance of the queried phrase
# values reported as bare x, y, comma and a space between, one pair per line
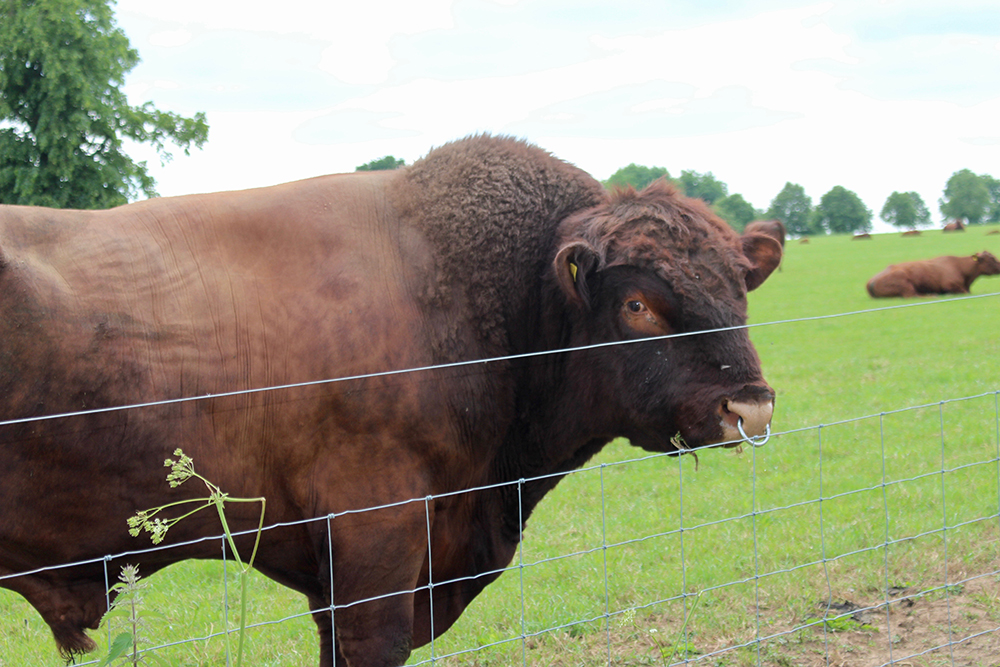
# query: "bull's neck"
546, 440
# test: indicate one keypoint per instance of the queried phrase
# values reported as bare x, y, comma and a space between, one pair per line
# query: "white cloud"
872, 96
169, 38
358, 33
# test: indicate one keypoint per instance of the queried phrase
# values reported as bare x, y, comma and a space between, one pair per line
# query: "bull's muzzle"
747, 421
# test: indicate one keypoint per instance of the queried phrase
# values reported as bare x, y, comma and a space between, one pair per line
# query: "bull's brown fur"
487, 246
941, 275
773, 228
471, 199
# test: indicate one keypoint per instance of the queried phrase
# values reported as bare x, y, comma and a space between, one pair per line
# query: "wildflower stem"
182, 470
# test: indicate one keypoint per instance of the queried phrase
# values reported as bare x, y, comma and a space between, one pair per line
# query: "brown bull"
488, 247
941, 275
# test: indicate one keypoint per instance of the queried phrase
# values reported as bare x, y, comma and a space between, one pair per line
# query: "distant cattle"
956, 226
941, 275
911, 232
773, 228
804, 240
993, 232
862, 236
487, 248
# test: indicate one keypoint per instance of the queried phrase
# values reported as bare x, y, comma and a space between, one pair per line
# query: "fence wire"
837, 556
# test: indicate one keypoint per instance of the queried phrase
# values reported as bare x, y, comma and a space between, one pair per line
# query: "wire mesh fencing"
873, 537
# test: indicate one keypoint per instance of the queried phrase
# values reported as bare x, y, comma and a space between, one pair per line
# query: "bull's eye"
642, 317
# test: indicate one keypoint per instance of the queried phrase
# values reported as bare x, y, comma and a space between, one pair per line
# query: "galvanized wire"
606, 545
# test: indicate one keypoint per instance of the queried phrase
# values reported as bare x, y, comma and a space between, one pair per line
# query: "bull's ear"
574, 266
764, 254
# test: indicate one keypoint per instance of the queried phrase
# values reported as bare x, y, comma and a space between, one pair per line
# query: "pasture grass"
860, 492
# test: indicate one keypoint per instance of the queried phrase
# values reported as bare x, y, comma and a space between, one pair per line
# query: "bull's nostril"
752, 418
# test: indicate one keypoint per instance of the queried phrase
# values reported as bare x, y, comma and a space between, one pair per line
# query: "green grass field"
615, 558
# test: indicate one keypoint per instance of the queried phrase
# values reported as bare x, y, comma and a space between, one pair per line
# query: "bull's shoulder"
487, 209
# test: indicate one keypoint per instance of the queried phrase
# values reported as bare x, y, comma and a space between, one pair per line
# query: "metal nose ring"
756, 440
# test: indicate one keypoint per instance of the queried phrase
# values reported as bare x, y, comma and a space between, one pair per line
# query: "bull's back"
208, 284
187, 297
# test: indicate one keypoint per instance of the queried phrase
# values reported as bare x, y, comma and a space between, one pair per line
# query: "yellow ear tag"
572, 269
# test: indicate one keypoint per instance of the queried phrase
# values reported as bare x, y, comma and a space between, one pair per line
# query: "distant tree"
386, 163
635, 175
63, 115
966, 196
841, 211
736, 210
703, 186
793, 207
905, 210
993, 210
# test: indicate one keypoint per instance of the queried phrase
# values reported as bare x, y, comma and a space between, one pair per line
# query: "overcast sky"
872, 95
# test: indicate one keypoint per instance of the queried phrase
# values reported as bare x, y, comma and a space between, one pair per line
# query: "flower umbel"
181, 470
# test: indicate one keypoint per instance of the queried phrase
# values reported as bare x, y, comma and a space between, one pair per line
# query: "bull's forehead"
699, 252
703, 264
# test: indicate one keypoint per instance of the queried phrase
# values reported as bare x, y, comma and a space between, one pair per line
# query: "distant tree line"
386, 163
972, 198
64, 123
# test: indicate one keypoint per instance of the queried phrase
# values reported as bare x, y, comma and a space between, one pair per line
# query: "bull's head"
654, 269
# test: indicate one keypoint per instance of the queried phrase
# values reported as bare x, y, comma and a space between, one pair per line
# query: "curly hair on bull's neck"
490, 207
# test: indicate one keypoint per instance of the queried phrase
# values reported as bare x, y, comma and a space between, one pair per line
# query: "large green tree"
794, 208
703, 186
63, 116
841, 211
966, 196
636, 175
736, 210
905, 210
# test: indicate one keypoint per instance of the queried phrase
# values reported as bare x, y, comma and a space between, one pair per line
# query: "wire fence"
874, 561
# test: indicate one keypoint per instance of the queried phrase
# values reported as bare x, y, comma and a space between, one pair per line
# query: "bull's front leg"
321, 615
377, 559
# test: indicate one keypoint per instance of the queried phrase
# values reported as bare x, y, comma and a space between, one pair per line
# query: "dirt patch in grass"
957, 626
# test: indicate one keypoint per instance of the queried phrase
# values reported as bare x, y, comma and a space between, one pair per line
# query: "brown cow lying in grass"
941, 275
956, 226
